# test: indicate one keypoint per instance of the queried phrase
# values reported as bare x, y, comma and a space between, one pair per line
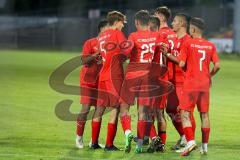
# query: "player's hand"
164, 48
97, 54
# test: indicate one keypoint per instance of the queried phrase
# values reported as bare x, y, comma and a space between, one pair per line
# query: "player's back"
109, 43
144, 44
200, 53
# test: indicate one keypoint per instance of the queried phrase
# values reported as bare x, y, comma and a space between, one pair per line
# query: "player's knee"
184, 115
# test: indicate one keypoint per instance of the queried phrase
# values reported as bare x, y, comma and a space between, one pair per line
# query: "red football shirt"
198, 53
168, 34
142, 51
109, 42
89, 73
178, 73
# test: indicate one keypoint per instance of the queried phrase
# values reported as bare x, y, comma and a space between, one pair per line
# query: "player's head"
163, 13
142, 18
102, 25
180, 20
154, 23
196, 26
116, 19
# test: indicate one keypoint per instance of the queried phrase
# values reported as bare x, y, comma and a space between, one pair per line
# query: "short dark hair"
101, 24
115, 16
165, 11
155, 20
143, 17
184, 16
198, 22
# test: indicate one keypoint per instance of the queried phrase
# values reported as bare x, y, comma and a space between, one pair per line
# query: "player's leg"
126, 99
112, 128
88, 98
161, 122
203, 107
174, 113
143, 125
155, 139
205, 128
81, 121
162, 127
187, 104
113, 87
102, 101
96, 126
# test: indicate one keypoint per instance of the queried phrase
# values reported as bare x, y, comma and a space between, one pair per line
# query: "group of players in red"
167, 70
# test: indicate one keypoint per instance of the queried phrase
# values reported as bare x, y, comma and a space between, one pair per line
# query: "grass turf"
31, 130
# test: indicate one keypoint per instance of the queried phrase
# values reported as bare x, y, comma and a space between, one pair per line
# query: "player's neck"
163, 25
181, 32
197, 36
112, 27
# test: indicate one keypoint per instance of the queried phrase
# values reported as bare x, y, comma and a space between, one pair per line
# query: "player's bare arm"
215, 69
171, 57
182, 64
89, 58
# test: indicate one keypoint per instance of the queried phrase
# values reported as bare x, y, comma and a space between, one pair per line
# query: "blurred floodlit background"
66, 24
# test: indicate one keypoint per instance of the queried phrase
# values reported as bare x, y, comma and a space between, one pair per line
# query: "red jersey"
168, 34
89, 73
144, 46
178, 73
143, 49
109, 42
198, 53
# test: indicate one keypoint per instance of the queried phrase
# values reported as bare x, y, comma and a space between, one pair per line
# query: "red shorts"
108, 93
89, 95
136, 87
192, 98
174, 97
159, 102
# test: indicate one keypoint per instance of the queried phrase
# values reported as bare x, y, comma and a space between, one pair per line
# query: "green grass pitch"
29, 128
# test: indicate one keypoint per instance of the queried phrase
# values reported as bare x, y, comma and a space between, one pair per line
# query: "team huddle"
168, 70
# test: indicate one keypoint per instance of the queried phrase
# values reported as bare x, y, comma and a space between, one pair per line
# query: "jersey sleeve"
86, 48
215, 57
120, 37
183, 52
127, 45
157, 52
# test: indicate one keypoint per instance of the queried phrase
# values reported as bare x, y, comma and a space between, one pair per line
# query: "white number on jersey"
103, 50
146, 48
202, 58
171, 43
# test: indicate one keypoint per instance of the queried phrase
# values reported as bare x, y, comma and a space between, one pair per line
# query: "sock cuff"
162, 132
205, 129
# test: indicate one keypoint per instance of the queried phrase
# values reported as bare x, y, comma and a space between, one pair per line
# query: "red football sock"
163, 136
153, 132
193, 123
205, 135
148, 126
95, 131
126, 122
141, 126
111, 133
188, 132
80, 127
